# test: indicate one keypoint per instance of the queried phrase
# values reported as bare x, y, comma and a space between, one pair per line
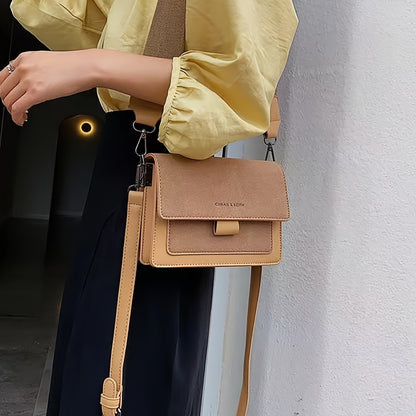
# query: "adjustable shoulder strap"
112, 387
253, 301
111, 397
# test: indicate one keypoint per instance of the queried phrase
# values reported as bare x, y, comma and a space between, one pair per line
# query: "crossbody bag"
218, 212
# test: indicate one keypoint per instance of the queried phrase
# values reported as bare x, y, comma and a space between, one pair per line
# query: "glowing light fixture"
86, 127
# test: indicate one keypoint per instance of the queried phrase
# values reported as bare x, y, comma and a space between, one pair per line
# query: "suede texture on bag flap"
217, 188
193, 216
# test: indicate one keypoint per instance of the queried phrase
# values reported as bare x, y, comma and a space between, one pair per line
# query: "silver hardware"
269, 142
139, 130
143, 136
143, 175
144, 169
10, 68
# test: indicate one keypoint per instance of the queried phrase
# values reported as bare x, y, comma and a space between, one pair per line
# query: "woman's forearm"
43, 75
140, 76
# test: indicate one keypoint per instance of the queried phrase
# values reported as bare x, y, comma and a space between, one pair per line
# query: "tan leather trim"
112, 386
148, 225
275, 119
161, 257
253, 237
255, 284
110, 397
222, 228
146, 113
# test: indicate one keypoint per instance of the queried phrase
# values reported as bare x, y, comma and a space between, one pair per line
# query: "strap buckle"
269, 142
144, 170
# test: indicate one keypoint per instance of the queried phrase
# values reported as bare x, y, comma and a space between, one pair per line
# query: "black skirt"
166, 350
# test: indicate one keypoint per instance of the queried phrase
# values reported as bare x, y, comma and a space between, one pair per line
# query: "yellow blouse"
221, 87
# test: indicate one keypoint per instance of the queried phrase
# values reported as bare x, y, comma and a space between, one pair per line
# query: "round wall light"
86, 128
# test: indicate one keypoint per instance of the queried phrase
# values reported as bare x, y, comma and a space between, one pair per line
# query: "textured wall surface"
336, 333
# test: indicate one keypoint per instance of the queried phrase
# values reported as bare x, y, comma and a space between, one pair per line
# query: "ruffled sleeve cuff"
196, 122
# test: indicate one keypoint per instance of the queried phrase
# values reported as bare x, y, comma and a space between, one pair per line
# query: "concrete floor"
30, 293
25, 360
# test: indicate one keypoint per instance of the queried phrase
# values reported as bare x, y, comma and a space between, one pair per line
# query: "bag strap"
275, 119
111, 397
253, 300
166, 39
112, 387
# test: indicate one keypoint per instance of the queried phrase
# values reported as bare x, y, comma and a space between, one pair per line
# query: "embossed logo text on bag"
229, 204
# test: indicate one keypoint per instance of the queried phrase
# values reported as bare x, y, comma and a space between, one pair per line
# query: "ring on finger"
10, 67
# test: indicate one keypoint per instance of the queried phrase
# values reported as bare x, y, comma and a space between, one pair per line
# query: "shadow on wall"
289, 344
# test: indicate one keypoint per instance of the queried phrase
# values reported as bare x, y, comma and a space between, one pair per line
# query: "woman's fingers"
17, 105
6, 88
4, 73
7, 82
11, 92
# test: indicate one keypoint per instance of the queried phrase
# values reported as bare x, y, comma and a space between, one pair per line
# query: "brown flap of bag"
217, 188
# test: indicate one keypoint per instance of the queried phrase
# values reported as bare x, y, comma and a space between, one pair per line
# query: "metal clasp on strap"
143, 137
143, 170
269, 142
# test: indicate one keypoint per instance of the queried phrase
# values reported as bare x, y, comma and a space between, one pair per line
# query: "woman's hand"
41, 76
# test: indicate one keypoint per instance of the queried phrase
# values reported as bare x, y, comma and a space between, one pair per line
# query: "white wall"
336, 331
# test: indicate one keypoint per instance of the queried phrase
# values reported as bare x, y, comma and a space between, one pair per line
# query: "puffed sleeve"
222, 87
63, 25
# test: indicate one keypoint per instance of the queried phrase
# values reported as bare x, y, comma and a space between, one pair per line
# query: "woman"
216, 92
